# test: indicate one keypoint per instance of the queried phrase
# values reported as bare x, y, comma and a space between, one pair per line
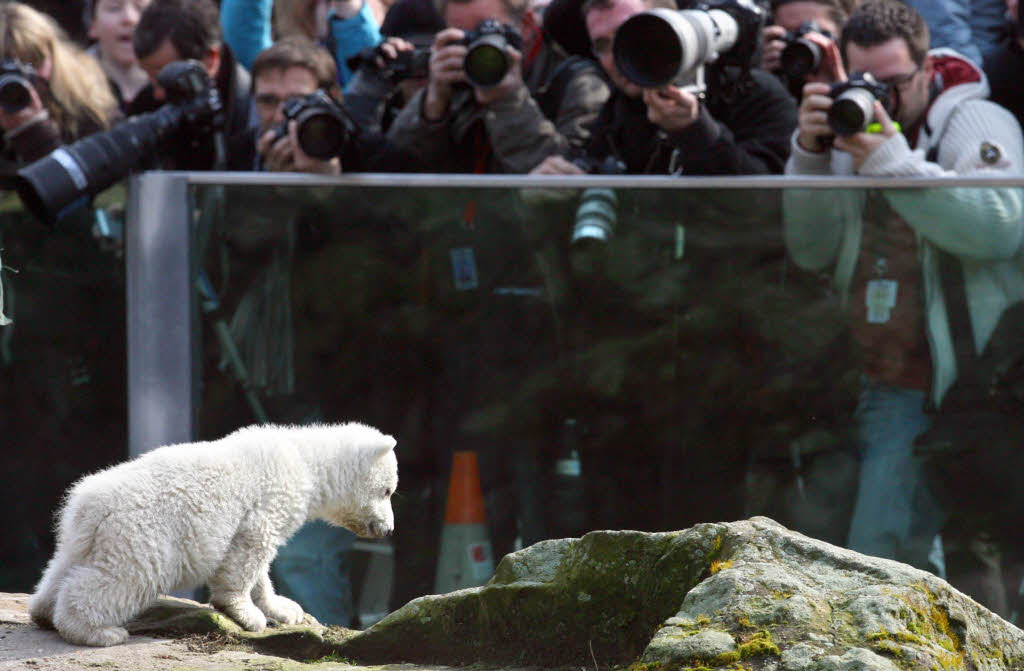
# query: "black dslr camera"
801, 57
324, 130
413, 64
15, 85
852, 109
487, 60
69, 175
406, 65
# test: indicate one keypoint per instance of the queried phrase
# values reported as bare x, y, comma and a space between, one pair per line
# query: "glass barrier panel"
626, 355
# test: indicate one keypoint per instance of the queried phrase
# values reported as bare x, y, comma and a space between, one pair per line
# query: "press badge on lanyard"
880, 297
464, 273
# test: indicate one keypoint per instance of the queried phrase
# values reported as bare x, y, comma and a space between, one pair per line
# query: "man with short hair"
890, 250
176, 30
290, 68
673, 130
541, 106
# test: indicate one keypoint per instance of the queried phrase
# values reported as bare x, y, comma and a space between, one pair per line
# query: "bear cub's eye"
387, 493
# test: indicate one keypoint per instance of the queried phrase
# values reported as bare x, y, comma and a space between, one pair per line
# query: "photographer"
787, 52
508, 125
291, 68
53, 92
673, 130
176, 30
387, 77
927, 117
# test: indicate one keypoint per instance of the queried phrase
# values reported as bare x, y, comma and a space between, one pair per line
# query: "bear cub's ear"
386, 444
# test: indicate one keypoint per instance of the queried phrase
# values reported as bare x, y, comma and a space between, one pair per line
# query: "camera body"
406, 65
852, 109
324, 129
801, 57
413, 64
15, 85
487, 60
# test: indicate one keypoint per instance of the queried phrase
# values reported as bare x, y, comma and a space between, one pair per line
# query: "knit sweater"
981, 226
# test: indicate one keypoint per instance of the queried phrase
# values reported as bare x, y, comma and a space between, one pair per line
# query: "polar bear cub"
211, 513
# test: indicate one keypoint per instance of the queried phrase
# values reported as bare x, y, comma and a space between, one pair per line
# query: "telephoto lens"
68, 176
595, 216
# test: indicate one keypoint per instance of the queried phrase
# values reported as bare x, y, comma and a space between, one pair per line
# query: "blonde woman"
64, 94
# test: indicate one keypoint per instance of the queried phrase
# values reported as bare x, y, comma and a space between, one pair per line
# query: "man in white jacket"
883, 248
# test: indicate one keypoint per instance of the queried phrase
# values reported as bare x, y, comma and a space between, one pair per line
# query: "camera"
406, 65
67, 176
324, 129
665, 46
15, 85
413, 64
852, 109
487, 61
801, 57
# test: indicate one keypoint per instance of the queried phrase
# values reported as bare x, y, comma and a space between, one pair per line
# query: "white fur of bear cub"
209, 512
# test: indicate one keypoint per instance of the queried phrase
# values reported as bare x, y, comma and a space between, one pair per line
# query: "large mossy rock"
743, 595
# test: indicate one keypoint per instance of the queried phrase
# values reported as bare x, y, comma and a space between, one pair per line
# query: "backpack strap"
549, 98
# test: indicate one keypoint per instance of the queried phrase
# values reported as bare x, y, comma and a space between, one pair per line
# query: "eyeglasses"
900, 81
270, 101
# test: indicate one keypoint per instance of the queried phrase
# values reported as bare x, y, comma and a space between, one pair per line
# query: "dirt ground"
26, 647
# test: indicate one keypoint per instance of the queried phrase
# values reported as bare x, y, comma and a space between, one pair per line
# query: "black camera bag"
974, 450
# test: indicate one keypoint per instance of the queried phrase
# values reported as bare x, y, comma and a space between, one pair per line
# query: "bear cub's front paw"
283, 609
247, 615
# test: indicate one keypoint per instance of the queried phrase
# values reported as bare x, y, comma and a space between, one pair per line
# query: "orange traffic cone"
466, 558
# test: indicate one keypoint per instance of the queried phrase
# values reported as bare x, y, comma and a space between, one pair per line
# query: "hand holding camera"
315, 133
487, 58
862, 144
853, 114
396, 59
283, 153
671, 108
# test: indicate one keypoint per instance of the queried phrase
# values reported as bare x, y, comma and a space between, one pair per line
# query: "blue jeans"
895, 516
313, 569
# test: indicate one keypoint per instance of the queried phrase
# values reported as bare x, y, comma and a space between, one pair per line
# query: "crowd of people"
413, 88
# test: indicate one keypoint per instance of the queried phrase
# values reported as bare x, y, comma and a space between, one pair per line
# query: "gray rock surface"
747, 595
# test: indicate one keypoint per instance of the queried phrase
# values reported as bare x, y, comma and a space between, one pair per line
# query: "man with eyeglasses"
671, 130
291, 68
902, 260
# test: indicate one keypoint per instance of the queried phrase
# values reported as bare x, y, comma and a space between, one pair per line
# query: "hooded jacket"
962, 134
